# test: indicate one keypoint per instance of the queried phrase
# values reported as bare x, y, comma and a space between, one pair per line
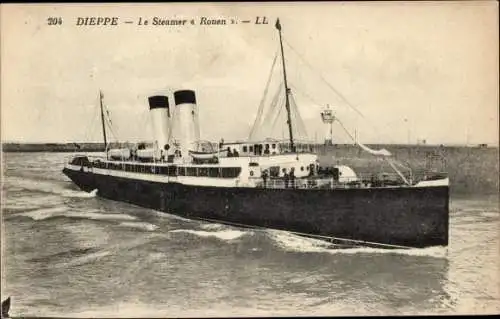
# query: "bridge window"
245, 149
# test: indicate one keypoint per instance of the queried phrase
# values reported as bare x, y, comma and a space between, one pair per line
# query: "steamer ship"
265, 183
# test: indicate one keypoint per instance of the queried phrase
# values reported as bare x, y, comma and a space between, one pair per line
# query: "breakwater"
55, 147
472, 170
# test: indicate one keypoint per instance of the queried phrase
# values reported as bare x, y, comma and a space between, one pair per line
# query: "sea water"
73, 254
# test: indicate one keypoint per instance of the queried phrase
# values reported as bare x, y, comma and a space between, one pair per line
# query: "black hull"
414, 217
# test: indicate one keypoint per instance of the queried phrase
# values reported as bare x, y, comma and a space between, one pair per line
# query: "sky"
413, 71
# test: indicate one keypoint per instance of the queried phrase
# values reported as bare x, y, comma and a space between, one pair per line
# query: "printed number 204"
54, 21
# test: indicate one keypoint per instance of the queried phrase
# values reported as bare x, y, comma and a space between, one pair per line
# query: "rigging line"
110, 126
297, 119
298, 116
275, 120
397, 171
329, 85
347, 132
402, 165
272, 109
264, 123
387, 160
267, 125
296, 89
258, 118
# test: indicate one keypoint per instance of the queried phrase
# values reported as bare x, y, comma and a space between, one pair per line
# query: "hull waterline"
401, 216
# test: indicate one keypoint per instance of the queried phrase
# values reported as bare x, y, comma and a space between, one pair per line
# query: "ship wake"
16, 183
65, 212
295, 243
79, 194
225, 235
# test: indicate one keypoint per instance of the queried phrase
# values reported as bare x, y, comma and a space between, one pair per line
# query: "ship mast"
287, 90
103, 125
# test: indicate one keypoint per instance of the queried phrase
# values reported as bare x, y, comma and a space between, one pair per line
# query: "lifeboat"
208, 155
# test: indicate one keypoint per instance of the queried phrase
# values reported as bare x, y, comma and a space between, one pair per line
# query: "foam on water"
490, 214
170, 216
79, 194
223, 234
140, 225
213, 226
136, 309
295, 243
46, 186
117, 248
86, 259
15, 183
44, 213
51, 212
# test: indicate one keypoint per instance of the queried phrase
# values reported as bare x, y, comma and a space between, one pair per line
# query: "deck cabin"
267, 147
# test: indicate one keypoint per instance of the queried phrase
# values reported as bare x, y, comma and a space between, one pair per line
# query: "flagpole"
103, 125
287, 90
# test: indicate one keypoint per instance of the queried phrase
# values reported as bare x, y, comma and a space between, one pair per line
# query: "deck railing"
361, 181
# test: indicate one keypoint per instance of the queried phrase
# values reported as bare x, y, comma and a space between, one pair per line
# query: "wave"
72, 253
296, 243
53, 212
14, 183
44, 213
140, 225
490, 214
141, 310
161, 214
223, 234
27, 183
96, 254
79, 194
213, 226
86, 259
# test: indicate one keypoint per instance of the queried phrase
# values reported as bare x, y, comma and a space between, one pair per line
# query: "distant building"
421, 141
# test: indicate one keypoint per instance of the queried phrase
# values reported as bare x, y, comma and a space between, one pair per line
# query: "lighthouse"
328, 118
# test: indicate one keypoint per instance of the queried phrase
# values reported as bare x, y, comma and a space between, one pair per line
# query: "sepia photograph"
249, 159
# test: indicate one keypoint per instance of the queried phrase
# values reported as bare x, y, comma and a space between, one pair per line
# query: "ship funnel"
160, 115
187, 120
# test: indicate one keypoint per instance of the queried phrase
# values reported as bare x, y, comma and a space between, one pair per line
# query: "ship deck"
215, 172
